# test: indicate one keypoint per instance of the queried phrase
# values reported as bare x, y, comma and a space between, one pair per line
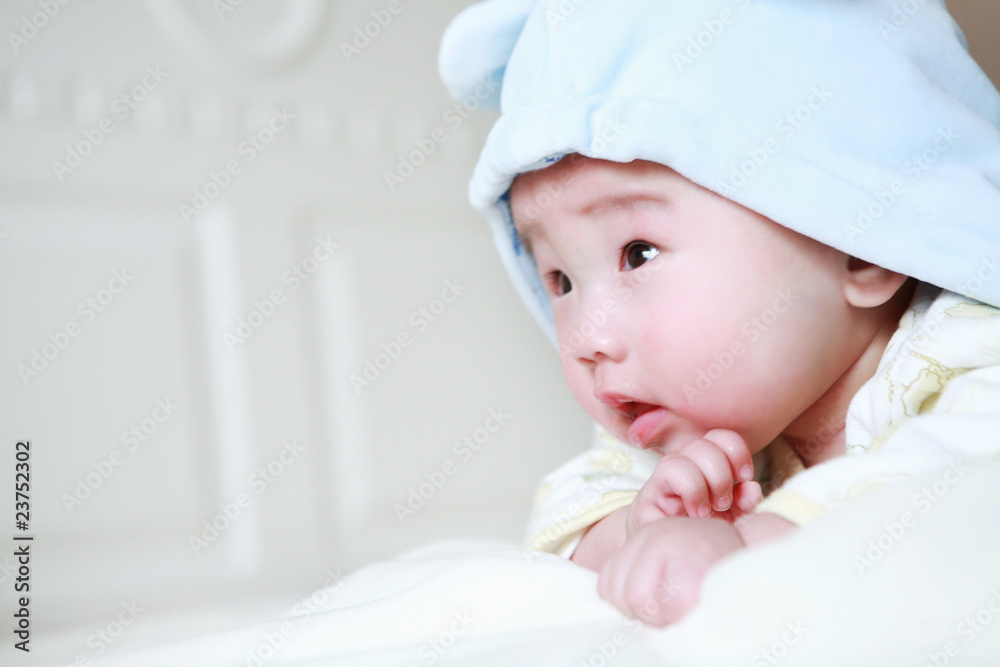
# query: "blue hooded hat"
863, 124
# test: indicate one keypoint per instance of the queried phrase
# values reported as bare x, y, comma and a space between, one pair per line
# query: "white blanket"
908, 575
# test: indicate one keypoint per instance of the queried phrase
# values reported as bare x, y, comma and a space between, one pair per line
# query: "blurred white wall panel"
236, 167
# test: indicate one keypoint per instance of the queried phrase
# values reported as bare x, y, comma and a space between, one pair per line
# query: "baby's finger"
715, 468
641, 588
671, 506
735, 448
644, 510
629, 580
686, 480
747, 496
612, 577
651, 505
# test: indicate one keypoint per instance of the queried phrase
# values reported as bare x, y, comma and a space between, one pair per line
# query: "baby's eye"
559, 283
637, 253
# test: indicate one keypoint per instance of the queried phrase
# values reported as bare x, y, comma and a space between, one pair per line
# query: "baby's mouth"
635, 409
647, 425
625, 406
644, 421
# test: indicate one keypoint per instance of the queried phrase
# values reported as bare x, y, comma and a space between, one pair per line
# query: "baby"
756, 259
712, 266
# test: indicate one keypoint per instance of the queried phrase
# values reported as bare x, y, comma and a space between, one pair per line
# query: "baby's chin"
617, 428
675, 439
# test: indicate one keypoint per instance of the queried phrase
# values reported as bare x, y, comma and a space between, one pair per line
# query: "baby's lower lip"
647, 427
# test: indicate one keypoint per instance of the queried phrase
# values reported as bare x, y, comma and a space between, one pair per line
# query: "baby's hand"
657, 573
713, 473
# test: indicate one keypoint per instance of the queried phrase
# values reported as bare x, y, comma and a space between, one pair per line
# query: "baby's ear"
868, 285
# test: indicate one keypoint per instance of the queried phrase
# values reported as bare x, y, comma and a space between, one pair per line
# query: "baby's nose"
595, 335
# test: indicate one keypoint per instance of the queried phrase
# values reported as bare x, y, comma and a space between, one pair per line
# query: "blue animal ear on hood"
477, 45
862, 124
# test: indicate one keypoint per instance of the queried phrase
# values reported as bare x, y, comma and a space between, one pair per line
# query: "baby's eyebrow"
623, 202
526, 230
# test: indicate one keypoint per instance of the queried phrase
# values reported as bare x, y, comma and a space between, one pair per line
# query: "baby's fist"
657, 574
711, 474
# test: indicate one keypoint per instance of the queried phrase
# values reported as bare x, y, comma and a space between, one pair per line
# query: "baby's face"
676, 310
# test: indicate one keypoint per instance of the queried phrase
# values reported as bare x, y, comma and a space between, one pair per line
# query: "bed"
906, 575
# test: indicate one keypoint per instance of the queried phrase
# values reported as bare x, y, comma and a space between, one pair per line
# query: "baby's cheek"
579, 382
747, 380
716, 380
695, 347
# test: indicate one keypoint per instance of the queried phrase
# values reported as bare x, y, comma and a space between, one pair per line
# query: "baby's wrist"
762, 527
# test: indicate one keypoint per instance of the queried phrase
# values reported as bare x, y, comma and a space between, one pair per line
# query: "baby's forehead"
589, 187
578, 179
